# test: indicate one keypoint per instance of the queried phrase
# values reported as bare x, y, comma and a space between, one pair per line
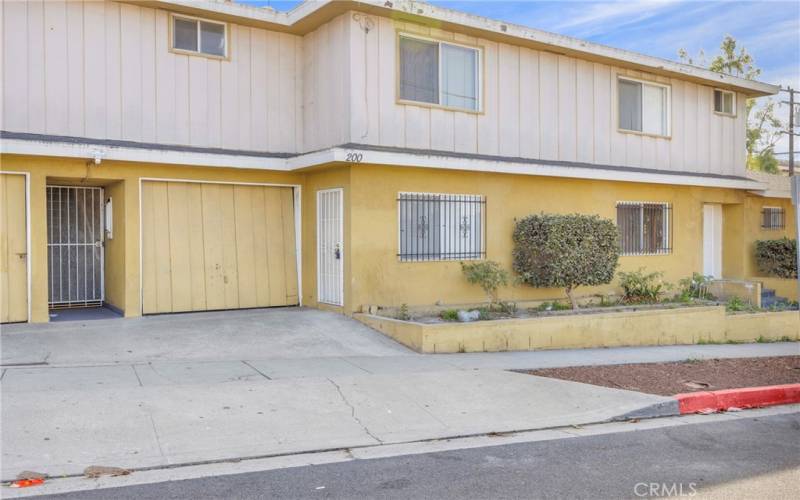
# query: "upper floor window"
190, 34
643, 106
645, 228
772, 218
441, 226
439, 73
724, 102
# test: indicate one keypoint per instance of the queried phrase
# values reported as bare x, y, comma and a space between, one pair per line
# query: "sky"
769, 30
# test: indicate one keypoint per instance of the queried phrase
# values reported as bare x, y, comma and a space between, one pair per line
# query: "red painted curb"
747, 397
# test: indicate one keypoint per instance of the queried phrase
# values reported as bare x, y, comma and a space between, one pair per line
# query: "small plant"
763, 340
639, 287
483, 313
402, 313
449, 315
785, 338
735, 304
553, 306
695, 287
488, 275
509, 308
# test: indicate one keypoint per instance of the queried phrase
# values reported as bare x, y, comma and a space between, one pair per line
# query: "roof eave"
309, 15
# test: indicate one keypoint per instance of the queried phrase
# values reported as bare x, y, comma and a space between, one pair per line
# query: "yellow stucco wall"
380, 278
372, 272
752, 231
115, 247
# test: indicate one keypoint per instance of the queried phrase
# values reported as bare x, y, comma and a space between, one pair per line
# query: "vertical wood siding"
104, 70
537, 105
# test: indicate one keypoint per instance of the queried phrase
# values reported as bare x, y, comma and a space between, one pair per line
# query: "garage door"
217, 246
13, 250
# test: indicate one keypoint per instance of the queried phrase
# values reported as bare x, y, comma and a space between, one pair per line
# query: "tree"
565, 251
763, 127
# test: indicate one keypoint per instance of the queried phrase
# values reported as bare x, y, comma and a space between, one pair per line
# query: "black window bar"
441, 227
644, 228
773, 218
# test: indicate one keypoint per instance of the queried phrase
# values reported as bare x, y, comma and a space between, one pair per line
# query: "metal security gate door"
75, 246
330, 257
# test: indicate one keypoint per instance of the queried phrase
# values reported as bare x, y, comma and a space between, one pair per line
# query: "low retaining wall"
615, 329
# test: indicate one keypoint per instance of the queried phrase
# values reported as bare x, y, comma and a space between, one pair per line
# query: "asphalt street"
744, 458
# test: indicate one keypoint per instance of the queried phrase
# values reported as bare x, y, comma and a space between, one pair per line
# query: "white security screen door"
330, 253
712, 240
75, 246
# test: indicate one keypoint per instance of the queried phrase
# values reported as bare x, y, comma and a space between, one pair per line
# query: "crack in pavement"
353, 412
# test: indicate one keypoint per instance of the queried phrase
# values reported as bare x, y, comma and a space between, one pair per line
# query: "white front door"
712, 240
330, 251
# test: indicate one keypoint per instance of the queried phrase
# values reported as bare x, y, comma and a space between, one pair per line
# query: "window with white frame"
724, 102
190, 34
643, 106
439, 73
645, 228
441, 226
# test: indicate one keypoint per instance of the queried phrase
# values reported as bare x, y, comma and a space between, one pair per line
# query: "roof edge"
310, 14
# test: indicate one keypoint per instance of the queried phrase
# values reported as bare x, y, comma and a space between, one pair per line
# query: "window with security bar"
644, 228
772, 218
441, 226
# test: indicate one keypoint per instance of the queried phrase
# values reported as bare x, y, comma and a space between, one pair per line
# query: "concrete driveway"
280, 333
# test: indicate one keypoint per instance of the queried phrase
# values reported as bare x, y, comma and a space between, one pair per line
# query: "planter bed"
533, 312
665, 324
668, 379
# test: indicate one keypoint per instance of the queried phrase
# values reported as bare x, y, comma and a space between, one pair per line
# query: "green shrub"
488, 275
639, 287
449, 315
565, 251
695, 287
735, 304
402, 313
777, 257
552, 306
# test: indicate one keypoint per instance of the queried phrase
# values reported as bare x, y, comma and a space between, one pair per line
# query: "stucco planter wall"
631, 328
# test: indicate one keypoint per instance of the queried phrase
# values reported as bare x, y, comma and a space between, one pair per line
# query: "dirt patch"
667, 379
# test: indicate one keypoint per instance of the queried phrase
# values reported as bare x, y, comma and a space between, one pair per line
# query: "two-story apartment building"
165, 156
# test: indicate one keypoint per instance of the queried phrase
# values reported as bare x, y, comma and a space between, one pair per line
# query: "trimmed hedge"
777, 257
565, 251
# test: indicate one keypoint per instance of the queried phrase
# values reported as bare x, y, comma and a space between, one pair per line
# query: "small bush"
695, 287
552, 306
735, 304
449, 315
488, 275
777, 257
565, 251
402, 313
639, 287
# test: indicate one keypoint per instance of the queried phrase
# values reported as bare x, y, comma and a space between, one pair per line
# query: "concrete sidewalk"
60, 433
175, 372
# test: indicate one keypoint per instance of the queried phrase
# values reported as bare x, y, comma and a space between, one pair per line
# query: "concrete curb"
748, 397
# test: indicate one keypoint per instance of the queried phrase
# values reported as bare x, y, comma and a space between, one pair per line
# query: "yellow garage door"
217, 246
13, 249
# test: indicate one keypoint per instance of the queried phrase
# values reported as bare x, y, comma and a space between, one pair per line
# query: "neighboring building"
165, 156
